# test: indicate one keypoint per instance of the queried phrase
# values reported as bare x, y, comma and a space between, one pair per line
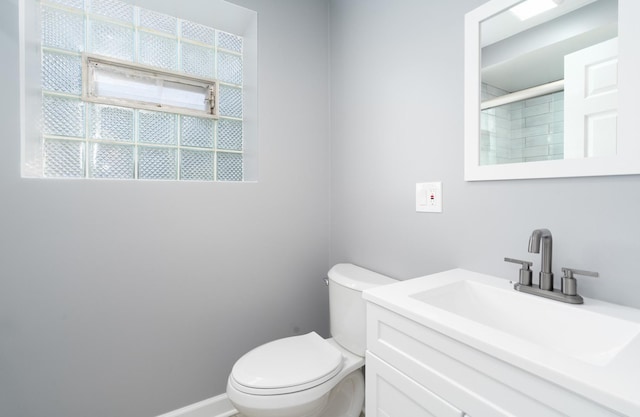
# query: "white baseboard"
219, 406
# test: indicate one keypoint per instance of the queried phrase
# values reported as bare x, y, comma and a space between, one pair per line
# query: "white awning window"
110, 81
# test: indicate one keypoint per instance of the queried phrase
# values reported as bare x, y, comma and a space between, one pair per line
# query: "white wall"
135, 298
397, 119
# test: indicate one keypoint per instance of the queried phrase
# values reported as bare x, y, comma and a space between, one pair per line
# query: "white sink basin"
572, 330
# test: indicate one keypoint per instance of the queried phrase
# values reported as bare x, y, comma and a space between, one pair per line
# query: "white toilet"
308, 376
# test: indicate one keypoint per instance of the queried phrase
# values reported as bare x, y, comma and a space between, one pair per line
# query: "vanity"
460, 343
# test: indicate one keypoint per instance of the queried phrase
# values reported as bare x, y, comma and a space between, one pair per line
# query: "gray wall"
122, 298
397, 119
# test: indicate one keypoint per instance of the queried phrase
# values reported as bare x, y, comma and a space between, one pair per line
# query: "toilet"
308, 376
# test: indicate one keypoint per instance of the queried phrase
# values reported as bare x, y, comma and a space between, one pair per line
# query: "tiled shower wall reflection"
528, 130
87, 140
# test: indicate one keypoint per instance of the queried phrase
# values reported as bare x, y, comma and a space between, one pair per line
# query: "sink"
590, 349
572, 330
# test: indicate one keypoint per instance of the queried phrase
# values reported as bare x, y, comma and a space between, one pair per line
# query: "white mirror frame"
627, 159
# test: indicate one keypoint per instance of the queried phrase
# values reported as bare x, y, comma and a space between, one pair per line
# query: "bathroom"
126, 298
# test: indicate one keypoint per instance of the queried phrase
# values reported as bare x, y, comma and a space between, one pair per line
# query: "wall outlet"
429, 197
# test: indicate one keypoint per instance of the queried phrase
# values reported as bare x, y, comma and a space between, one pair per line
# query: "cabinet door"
392, 394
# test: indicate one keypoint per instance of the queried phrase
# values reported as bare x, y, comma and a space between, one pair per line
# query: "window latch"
211, 99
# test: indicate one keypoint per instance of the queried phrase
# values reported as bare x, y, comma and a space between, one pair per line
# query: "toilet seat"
287, 365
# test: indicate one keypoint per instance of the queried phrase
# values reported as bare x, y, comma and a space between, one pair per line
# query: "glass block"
198, 33
196, 165
230, 68
157, 127
230, 101
63, 116
229, 42
196, 131
111, 40
111, 123
112, 9
63, 159
111, 161
61, 73
76, 4
230, 134
62, 30
157, 51
198, 60
157, 163
229, 166
158, 21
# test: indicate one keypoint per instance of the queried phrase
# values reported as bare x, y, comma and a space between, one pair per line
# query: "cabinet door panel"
392, 394
476, 382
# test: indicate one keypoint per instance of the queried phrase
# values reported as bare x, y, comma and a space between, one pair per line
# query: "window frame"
90, 62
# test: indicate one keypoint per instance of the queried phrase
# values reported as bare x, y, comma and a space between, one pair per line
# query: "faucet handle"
569, 285
568, 272
525, 272
525, 264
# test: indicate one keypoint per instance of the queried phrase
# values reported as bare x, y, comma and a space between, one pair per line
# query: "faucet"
541, 239
538, 237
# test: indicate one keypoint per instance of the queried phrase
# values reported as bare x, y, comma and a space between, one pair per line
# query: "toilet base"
347, 398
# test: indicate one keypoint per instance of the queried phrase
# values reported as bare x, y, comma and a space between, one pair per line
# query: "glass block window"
83, 137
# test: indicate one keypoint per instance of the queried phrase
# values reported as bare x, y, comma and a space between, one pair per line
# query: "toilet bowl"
308, 376
303, 371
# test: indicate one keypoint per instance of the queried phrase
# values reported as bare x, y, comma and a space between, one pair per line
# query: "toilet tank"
347, 307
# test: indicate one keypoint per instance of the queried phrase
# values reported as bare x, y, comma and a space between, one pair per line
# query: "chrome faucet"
541, 239
543, 236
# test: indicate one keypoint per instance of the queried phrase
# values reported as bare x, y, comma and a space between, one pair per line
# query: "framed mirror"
551, 89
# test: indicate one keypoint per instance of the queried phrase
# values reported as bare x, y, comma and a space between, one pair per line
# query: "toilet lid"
287, 365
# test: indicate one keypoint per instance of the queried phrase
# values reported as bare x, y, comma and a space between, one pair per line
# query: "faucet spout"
542, 237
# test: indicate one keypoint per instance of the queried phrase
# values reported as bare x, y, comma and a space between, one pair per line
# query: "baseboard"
219, 406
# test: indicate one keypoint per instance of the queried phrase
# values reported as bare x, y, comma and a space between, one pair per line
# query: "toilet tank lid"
357, 278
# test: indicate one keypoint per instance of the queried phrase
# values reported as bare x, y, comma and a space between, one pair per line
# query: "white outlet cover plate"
429, 197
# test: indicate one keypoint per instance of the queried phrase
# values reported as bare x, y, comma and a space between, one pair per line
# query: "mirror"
547, 95
526, 65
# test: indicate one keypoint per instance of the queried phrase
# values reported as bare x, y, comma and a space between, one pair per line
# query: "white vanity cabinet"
413, 370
